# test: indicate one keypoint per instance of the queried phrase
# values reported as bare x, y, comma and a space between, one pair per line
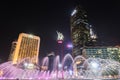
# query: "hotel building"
27, 47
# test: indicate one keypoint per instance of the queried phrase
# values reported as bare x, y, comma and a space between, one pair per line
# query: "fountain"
78, 68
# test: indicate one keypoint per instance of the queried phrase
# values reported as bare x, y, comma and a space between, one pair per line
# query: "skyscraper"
27, 47
80, 30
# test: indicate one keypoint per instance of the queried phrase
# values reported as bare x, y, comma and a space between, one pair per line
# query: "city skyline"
43, 19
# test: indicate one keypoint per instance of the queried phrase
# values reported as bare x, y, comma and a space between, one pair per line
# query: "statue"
60, 36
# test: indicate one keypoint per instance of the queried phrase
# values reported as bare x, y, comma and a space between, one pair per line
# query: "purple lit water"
69, 68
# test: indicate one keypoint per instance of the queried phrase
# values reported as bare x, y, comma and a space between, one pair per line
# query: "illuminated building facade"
81, 32
27, 47
14, 43
103, 52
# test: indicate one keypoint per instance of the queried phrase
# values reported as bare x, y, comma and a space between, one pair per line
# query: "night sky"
43, 18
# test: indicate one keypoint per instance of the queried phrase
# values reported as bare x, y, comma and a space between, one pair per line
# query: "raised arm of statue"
60, 36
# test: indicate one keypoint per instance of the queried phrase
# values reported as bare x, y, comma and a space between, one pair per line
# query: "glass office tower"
79, 30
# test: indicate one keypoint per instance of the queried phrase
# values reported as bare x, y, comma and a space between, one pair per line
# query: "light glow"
73, 12
29, 65
31, 36
59, 65
94, 65
69, 46
70, 72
